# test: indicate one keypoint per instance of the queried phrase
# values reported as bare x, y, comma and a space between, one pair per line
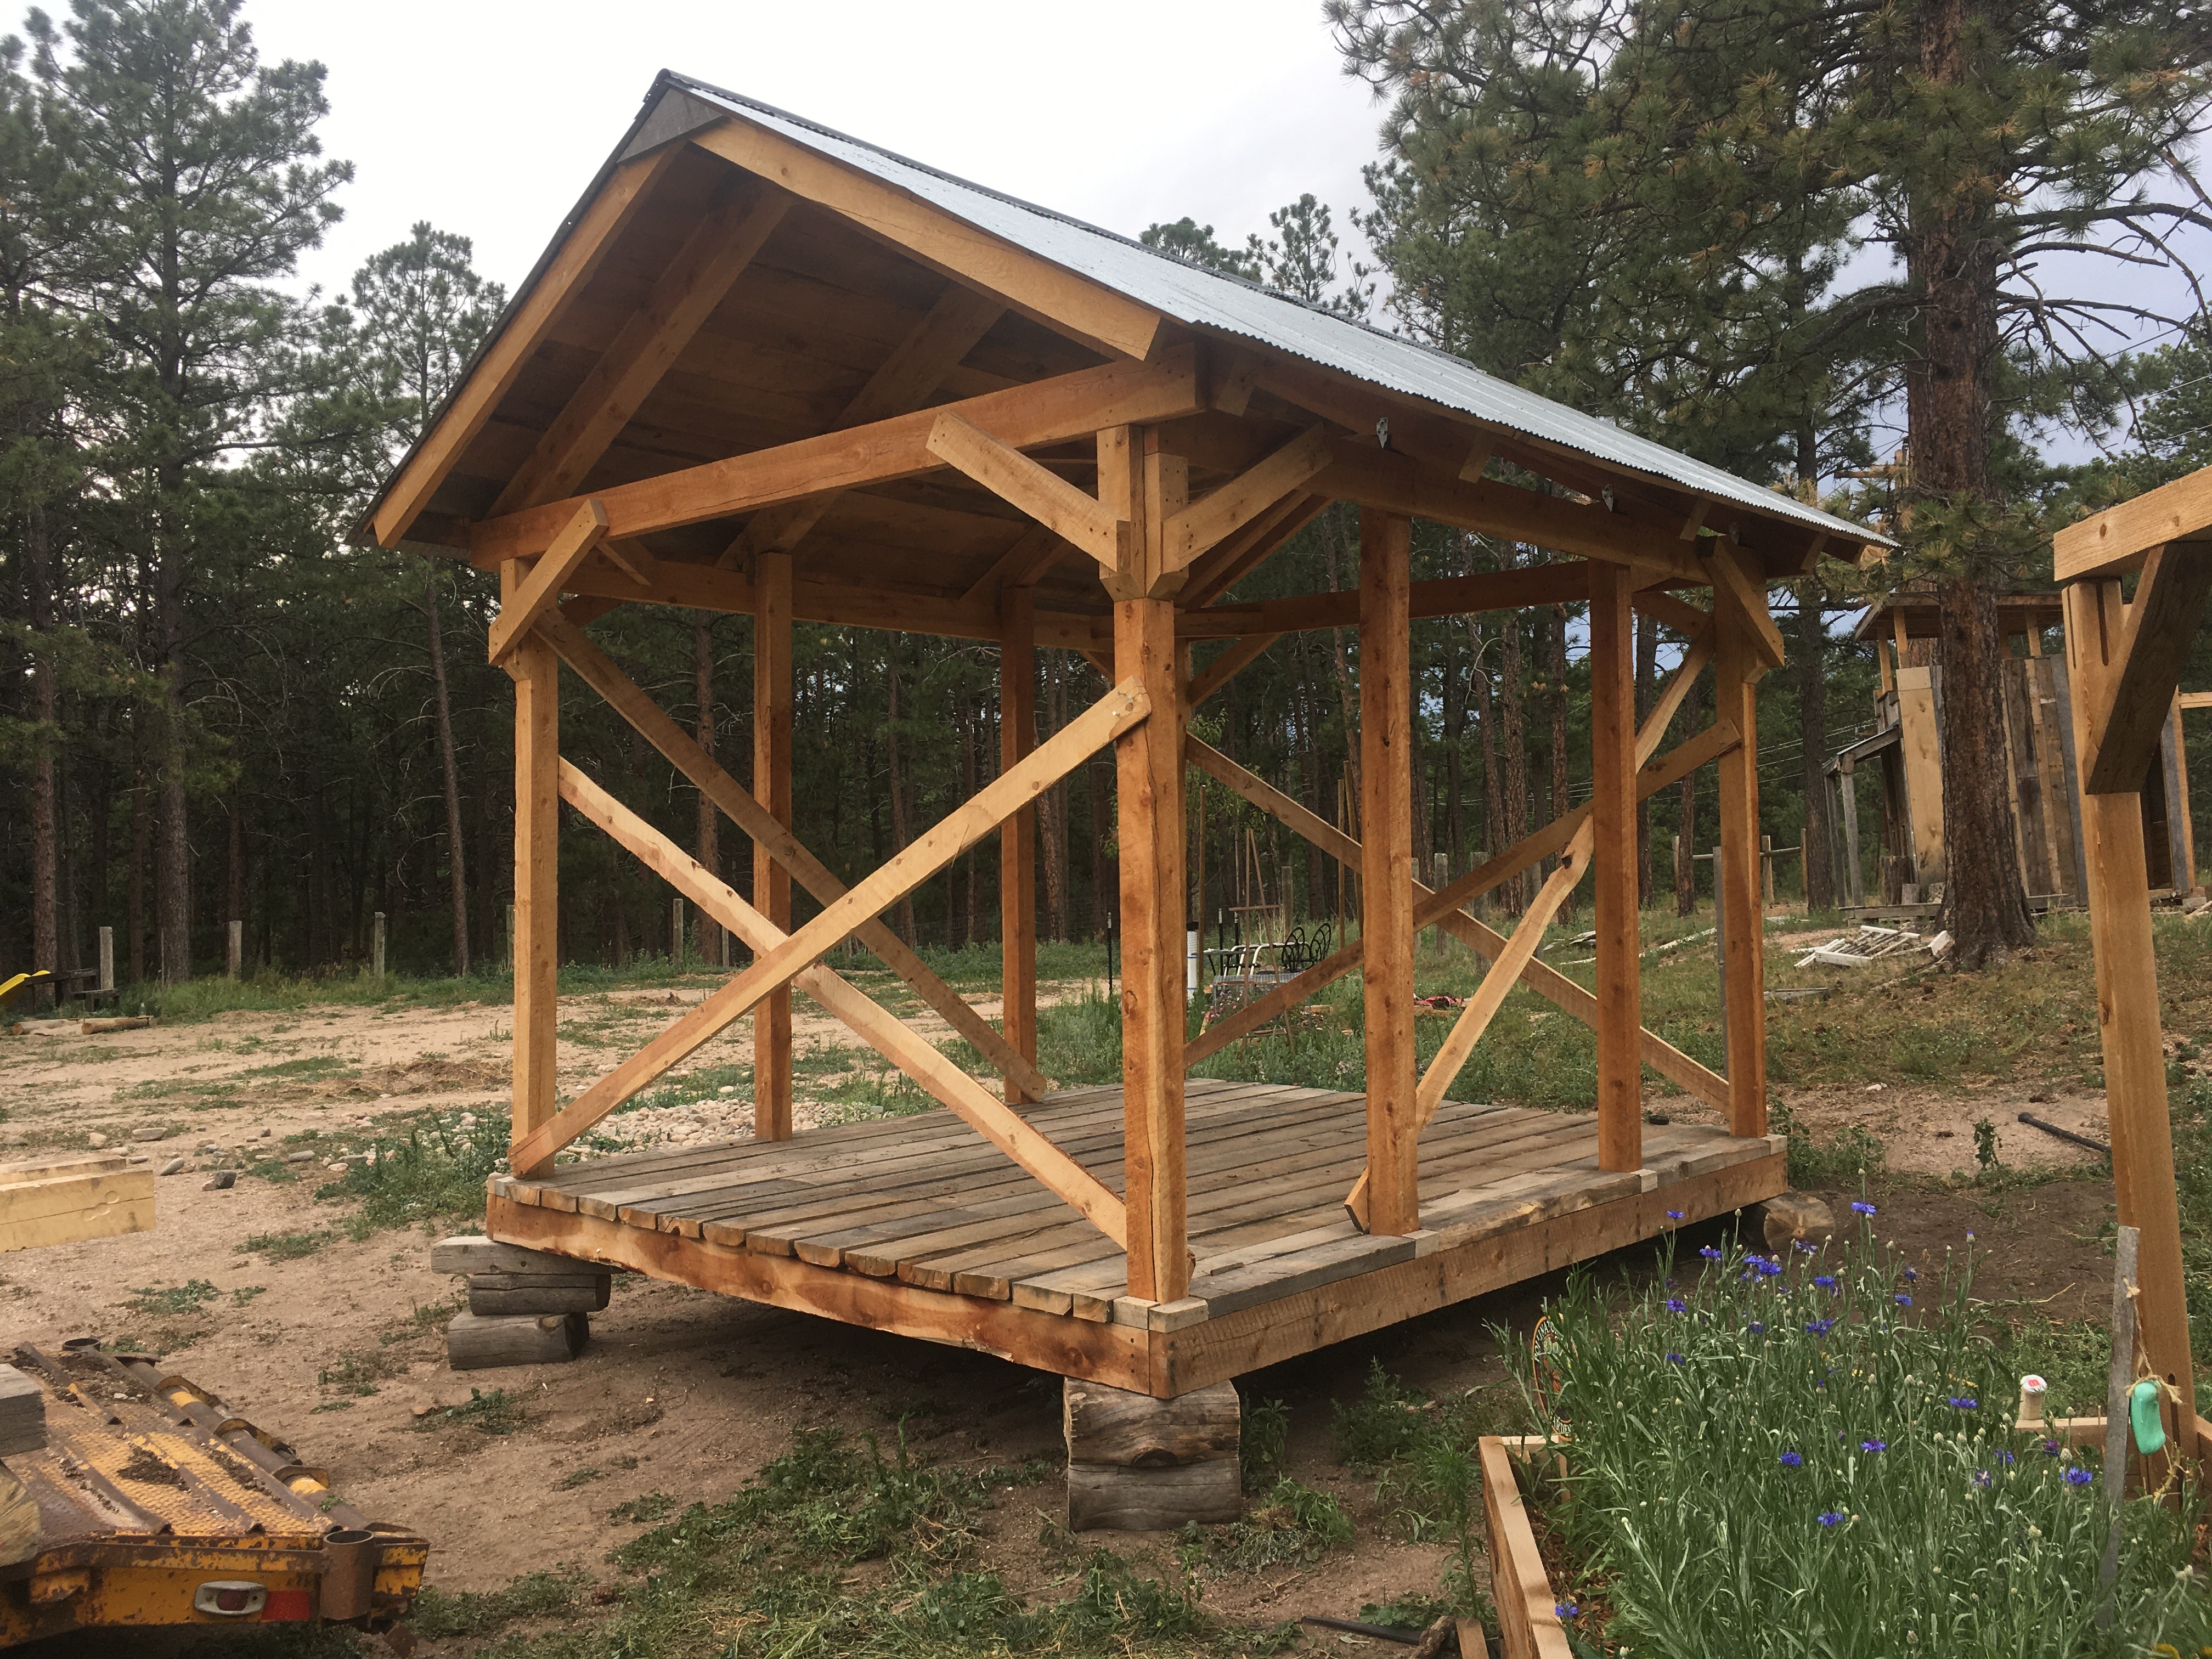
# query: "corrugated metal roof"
1209, 300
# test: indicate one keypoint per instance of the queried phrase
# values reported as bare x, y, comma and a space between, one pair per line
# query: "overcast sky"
489, 117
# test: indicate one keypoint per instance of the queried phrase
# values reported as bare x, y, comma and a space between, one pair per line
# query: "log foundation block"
1139, 1464
510, 1278
479, 1342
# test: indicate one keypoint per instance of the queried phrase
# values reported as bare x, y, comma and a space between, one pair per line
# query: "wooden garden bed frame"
1046, 447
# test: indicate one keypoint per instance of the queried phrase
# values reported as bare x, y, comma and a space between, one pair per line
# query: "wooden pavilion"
766, 369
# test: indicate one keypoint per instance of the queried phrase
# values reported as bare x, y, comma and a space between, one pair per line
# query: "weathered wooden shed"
767, 369
1905, 751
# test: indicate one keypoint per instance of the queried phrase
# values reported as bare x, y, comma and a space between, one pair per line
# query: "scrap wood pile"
1871, 944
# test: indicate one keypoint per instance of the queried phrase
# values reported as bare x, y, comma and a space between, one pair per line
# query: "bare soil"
686, 1395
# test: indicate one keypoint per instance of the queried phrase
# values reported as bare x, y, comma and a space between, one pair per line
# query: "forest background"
1763, 234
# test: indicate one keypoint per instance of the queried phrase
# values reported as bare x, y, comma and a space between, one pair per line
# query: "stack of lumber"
22, 1430
1139, 1464
58, 1200
526, 1307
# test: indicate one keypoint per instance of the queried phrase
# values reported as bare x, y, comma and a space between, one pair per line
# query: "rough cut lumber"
1390, 1188
1042, 494
594, 668
772, 715
1118, 1427
536, 673
1733, 585
535, 311
695, 282
1528, 1625
890, 1036
472, 1252
538, 1293
21, 1531
1736, 671
22, 1413
2160, 627
2111, 544
62, 1207
1619, 911
1018, 871
1020, 417
1221, 514
477, 1341
1061, 300
1103, 1498
536, 592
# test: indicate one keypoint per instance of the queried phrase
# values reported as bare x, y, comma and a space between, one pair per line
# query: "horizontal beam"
1122, 708
2117, 541
893, 1039
2145, 667
1048, 411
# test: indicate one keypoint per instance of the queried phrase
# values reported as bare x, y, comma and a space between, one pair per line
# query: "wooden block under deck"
1139, 1464
472, 1252
477, 1341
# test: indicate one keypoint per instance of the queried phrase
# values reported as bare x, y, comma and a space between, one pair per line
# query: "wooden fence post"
376, 944
108, 958
233, 948
772, 692
1018, 834
1612, 815
1386, 818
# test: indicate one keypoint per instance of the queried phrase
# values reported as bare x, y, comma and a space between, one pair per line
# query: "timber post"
536, 925
1018, 835
1613, 819
772, 693
1742, 922
1387, 875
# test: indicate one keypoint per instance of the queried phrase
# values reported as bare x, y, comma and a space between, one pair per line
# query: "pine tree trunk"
707, 846
1486, 732
1815, 856
46, 733
1951, 258
457, 876
137, 897
233, 885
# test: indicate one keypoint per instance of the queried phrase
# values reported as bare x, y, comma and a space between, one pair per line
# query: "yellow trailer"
155, 1506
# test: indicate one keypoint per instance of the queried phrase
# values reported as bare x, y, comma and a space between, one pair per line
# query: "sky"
488, 118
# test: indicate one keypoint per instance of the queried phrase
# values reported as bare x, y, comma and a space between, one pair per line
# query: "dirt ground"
682, 1395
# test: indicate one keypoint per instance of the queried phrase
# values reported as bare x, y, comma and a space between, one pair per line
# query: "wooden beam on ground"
710, 261
1241, 655
494, 374
593, 667
1038, 491
1221, 514
1393, 482
62, 1200
531, 596
901, 1045
2112, 543
1122, 708
1481, 1008
772, 708
1386, 872
2159, 629
1018, 417
1613, 826
1018, 835
916, 368
536, 944
2118, 897
1737, 667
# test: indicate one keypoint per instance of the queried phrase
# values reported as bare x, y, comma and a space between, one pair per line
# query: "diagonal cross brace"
625, 697
1120, 708
885, 1033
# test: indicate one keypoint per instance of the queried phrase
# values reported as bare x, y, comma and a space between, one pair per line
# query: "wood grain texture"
1018, 871
476, 1341
2120, 742
1386, 871
1077, 519
1102, 1497
1736, 670
536, 944
1528, 1625
530, 596
1614, 869
1125, 1429
772, 713
2108, 544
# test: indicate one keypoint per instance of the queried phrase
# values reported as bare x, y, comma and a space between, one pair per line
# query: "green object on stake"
2144, 1414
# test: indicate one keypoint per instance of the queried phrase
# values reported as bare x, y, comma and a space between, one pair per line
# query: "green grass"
498, 1413
434, 1174
439, 1615
286, 1247
186, 1298
1294, 1523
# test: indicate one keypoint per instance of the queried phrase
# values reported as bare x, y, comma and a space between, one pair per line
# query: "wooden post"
375, 944
1018, 834
1613, 869
772, 786
108, 958
233, 956
1766, 871
534, 925
1140, 484
2119, 897
1386, 869
1736, 669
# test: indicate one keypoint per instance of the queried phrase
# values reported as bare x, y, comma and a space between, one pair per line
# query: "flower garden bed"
1813, 1456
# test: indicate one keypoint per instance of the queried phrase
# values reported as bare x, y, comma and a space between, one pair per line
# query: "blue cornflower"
1756, 1329
1965, 1402
1858, 1207
1673, 1359
1819, 1327
1791, 1459
2051, 1448
1826, 1281
1830, 1518
1911, 1275
1566, 1610
1709, 1252
1802, 1248
1874, 1445
2078, 1476
1674, 1215
1982, 1479
1675, 1304
2003, 1456
1903, 1300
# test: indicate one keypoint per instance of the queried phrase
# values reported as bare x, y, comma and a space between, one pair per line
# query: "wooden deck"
915, 1225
